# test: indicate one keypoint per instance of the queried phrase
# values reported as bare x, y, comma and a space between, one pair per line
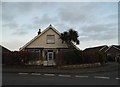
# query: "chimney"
39, 31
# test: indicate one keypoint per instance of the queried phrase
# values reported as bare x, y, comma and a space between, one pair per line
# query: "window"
50, 39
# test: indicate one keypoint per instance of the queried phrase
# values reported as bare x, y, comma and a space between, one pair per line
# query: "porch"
45, 57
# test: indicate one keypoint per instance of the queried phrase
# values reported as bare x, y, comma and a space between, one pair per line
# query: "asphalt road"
101, 78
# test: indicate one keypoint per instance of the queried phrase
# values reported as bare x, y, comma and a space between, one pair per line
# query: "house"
97, 49
113, 52
3, 49
4, 53
47, 43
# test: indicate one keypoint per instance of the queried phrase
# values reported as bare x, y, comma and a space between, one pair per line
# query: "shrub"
68, 57
59, 60
102, 57
19, 57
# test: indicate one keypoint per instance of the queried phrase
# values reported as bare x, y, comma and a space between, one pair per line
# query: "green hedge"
18, 57
69, 57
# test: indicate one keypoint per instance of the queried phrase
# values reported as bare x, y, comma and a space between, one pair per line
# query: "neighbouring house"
47, 43
113, 52
4, 52
3, 49
97, 49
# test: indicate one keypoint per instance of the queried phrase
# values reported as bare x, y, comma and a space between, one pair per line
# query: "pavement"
111, 66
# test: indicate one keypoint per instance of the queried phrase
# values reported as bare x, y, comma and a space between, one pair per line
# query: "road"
101, 78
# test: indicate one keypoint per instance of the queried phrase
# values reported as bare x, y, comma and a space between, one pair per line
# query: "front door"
50, 56
50, 60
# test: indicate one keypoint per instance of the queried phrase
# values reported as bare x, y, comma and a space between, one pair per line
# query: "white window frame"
52, 41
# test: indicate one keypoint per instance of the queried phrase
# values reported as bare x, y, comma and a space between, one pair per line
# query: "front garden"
69, 58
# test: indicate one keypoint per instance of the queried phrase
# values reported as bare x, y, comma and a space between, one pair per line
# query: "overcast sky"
95, 22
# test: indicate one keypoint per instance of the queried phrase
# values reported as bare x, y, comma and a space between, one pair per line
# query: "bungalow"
47, 44
97, 49
113, 52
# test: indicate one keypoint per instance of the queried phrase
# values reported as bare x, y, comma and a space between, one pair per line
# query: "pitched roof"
113, 46
49, 27
117, 46
75, 46
96, 49
3, 49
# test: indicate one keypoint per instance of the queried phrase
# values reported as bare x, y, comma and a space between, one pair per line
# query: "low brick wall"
82, 66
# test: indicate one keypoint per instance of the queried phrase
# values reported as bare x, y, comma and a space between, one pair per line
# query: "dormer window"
50, 39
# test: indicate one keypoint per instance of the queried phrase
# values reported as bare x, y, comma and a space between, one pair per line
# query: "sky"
95, 22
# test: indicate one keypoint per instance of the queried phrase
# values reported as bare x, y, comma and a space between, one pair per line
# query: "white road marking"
65, 75
49, 74
35, 74
81, 76
23, 73
101, 77
117, 78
